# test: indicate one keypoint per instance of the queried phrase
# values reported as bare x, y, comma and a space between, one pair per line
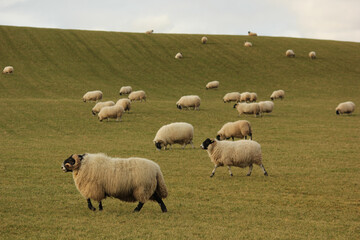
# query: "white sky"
320, 19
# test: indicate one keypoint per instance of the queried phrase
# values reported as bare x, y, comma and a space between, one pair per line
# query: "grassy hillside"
311, 155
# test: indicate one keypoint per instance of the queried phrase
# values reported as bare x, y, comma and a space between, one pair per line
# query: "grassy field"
312, 155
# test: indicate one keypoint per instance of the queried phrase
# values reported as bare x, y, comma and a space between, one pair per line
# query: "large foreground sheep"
98, 176
238, 129
242, 153
190, 101
178, 132
92, 96
8, 69
345, 107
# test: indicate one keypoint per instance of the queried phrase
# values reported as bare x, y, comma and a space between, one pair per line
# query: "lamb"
253, 97
277, 94
232, 97
125, 90
213, 84
247, 108
238, 129
98, 176
266, 107
124, 103
204, 40
188, 102
96, 109
93, 96
247, 44
137, 96
178, 132
345, 107
252, 34
242, 153
245, 97
178, 55
149, 31
8, 69
312, 55
290, 53
115, 111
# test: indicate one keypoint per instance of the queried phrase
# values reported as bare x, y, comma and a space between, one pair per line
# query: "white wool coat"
178, 132
93, 96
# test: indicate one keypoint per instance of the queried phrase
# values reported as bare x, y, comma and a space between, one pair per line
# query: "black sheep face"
72, 162
178, 106
158, 145
235, 105
206, 143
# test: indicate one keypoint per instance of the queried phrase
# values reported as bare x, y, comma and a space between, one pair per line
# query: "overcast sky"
320, 19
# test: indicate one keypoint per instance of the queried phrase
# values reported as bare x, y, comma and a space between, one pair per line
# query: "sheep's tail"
161, 187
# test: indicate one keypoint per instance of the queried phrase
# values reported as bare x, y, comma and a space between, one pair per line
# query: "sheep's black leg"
139, 206
100, 206
160, 201
90, 206
250, 170
265, 173
213, 172
232, 138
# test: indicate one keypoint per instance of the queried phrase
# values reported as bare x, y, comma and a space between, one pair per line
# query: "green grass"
311, 155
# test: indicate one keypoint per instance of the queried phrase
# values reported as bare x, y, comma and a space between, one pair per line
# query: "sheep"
238, 129
253, 97
8, 69
252, 34
213, 84
149, 32
137, 96
188, 102
178, 132
290, 53
312, 55
345, 107
241, 153
125, 103
125, 90
247, 108
266, 107
204, 40
232, 97
96, 109
98, 176
245, 97
277, 94
178, 55
93, 96
247, 44
115, 111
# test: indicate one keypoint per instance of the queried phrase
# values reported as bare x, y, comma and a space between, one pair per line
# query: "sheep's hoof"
211, 175
266, 174
248, 174
231, 175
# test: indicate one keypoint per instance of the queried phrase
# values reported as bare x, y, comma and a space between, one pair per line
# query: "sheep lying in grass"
125, 90
247, 44
178, 55
96, 109
232, 97
238, 129
98, 176
178, 132
204, 40
8, 69
247, 108
266, 107
213, 84
115, 111
252, 34
190, 101
242, 153
290, 53
125, 103
345, 107
277, 94
93, 96
312, 55
137, 96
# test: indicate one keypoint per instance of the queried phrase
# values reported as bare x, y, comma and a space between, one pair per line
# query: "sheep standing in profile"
125, 90
252, 34
277, 94
137, 96
232, 97
93, 96
8, 69
213, 84
266, 107
190, 101
247, 108
204, 40
345, 107
98, 176
242, 153
312, 55
238, 129
178, 132
124, 103
247, 44
115, 111
290, 53
96, 109
178, 55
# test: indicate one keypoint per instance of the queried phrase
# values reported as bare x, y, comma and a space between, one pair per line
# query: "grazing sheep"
93, 96
96, 109
247, 108
240, 153
266, 107
188, 102
213, 84
137, 96
277, 94
345, 107
253, 97
238, 129
245, 97
98, 176
247, 44
178, 132
125, 103
149, 31
232, 97
178, 55
312, 55
8, 69
125, 90
290, 53
252, 34
115, 111
204, 40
